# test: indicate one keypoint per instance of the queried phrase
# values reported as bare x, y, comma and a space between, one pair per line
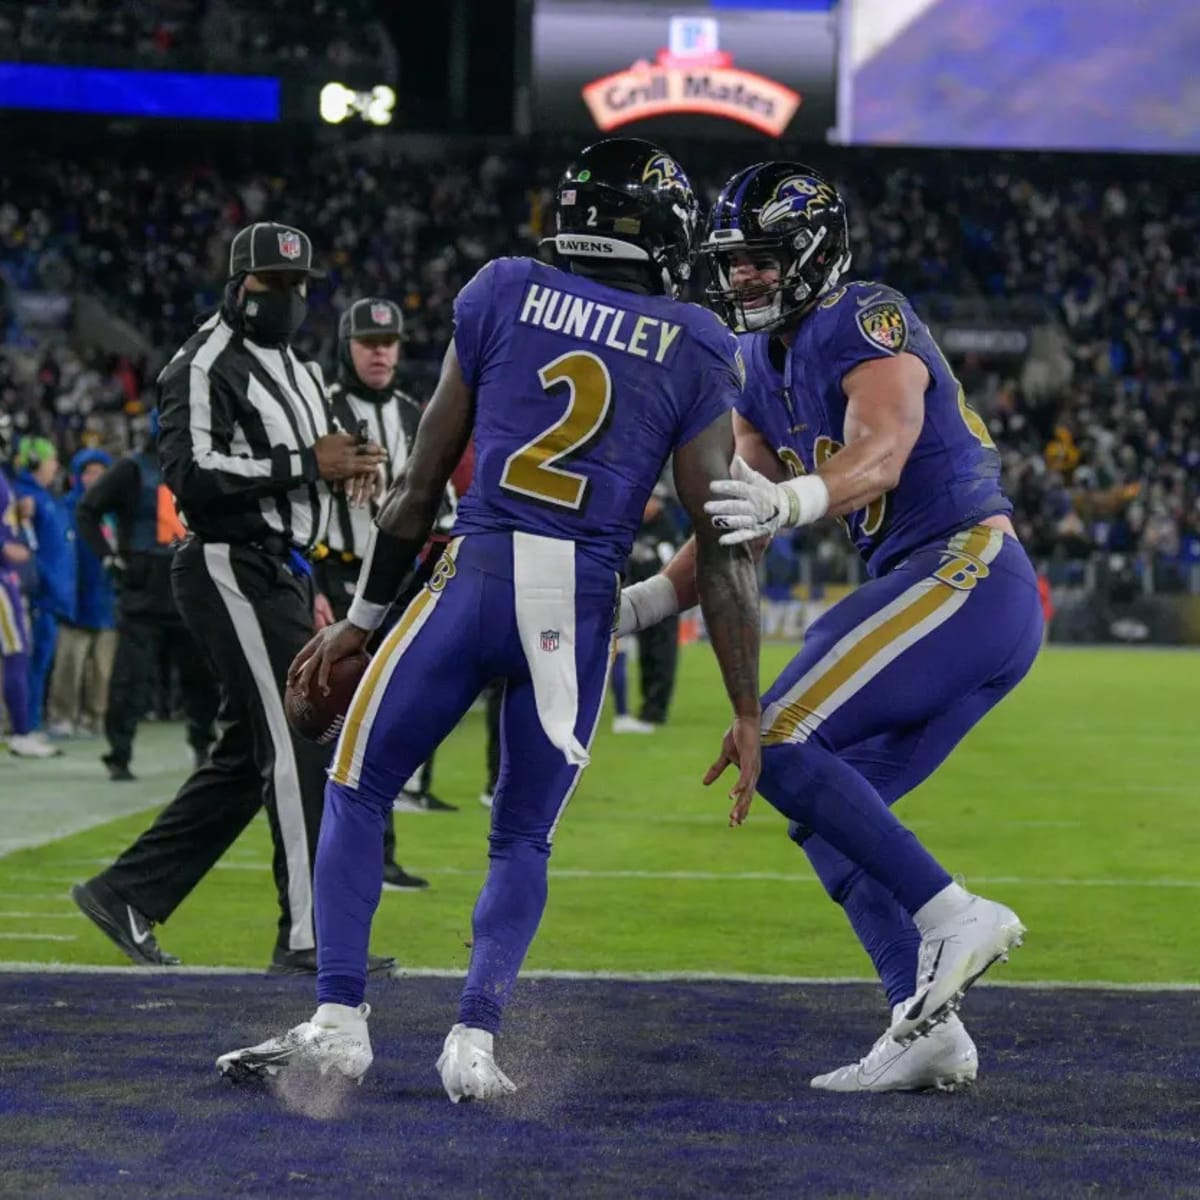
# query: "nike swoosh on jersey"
862, 303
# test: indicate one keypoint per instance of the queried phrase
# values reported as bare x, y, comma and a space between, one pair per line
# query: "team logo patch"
549, 639
381, 314
793, 198
884, 325
289, 244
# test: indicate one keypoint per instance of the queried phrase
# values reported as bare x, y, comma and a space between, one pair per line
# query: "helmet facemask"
805, 275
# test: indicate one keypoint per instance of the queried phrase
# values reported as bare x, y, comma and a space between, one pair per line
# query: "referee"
248, 448
365, 396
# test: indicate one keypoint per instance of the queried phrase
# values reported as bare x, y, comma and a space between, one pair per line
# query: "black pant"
658, 657
142, 642
252, 616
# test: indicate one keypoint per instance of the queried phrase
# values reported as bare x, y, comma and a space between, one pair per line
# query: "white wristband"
645, 604
366, 615
807, 500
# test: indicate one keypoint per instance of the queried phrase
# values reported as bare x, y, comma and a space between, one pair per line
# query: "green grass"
1089, 773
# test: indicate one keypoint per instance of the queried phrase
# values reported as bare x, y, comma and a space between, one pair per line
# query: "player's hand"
741, 746
330, 645
751, 506
343, 456
16, 553
322, 612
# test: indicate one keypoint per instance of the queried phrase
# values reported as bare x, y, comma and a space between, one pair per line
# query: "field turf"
1077, 802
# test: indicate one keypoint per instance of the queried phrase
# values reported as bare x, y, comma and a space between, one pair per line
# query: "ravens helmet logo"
664, 169
793, 197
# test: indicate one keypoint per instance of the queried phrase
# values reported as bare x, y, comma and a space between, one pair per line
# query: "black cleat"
122, 924
304, 962
118, 772
430, 803
397, 879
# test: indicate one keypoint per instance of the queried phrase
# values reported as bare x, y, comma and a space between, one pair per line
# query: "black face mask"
273, 317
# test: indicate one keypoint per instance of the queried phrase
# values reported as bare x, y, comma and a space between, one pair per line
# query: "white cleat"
628, 724
32, 745
945, 1059
468, 1066
953, 956
336, 1039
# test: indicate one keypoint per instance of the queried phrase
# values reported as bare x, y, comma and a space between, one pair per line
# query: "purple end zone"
107, 1087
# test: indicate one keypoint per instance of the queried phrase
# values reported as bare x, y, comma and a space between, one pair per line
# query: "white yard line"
38, 937
133, 973
42, 916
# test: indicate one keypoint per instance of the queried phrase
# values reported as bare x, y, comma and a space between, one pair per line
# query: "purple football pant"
459, 634
886, 684
15, 643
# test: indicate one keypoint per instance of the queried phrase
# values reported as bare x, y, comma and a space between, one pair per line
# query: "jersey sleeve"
719, 378
866, 321
474, 310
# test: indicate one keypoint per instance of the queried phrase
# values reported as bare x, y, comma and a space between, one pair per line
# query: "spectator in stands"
87, 644
54, 598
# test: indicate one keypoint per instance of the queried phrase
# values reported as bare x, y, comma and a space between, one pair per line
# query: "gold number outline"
532, 471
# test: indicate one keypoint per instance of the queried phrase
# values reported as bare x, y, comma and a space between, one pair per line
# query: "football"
318, 715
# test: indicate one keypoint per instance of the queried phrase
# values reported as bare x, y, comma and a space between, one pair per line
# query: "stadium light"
339, 102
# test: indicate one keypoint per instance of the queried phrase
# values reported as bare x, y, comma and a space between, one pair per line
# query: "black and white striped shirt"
237, 427
393, 424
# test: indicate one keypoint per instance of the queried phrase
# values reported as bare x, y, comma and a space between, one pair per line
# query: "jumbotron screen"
655, 68
1024, 74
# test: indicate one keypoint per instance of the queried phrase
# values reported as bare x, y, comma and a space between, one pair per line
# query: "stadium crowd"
1099, 424
195, 33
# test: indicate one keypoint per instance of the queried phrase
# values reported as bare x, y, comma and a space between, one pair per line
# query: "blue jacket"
96, 592
55, 550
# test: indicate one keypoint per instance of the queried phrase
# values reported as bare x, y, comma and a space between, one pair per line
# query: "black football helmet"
790, 212
625, 200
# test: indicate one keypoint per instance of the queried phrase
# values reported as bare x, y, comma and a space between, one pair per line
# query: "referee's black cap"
266, 246
371, 317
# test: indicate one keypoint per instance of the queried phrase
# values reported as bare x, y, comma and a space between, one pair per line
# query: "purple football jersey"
582, 393
9, 523
952, 477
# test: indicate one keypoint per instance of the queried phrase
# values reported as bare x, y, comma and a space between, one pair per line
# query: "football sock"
347, 884
505, 919
812, 786
620, 685
886, 931
16, 692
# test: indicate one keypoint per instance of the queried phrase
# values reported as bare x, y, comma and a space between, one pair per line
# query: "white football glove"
757, 508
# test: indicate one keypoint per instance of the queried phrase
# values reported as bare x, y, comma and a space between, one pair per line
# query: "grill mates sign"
693, 76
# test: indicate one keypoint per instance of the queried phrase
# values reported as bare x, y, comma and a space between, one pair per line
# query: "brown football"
318, 716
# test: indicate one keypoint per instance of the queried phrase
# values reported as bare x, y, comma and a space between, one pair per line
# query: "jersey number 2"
532, 470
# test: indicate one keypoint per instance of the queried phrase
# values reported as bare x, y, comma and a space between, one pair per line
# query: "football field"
686, 983
1077, 802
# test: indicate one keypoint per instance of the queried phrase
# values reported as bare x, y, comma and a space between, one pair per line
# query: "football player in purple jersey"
851, 411
576, 383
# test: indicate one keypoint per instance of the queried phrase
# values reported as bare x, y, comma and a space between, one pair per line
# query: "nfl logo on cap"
381, 314
289, 244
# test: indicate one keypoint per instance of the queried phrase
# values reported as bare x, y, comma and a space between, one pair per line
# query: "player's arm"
727, 583
651, 601
885, 410
402, 527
